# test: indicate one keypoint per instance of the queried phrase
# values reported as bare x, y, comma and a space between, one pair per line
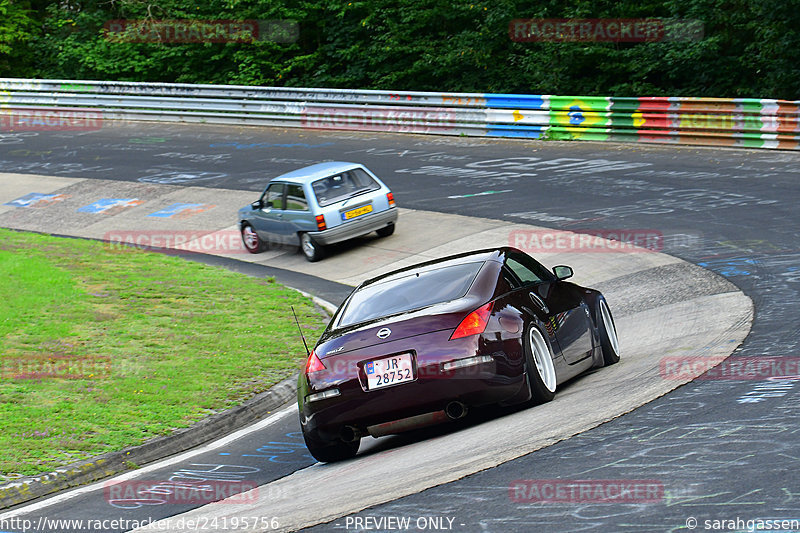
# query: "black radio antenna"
308, 352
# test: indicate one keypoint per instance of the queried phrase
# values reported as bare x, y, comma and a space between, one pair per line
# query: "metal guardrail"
746, 122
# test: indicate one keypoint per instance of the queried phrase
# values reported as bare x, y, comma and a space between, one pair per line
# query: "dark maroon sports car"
422, 344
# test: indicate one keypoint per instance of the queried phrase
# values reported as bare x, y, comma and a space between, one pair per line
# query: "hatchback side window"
296, 198
273, 196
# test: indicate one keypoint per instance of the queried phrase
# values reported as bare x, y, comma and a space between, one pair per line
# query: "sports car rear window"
343, 186
413, 291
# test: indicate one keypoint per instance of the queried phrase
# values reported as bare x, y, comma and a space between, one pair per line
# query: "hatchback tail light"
474, 323
321, 226
390, 197
314, 364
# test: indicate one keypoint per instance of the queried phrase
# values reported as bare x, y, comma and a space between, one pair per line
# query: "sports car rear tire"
609, 344
332, 451
541, 369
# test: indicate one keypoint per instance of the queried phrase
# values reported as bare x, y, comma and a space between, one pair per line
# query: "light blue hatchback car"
316, 206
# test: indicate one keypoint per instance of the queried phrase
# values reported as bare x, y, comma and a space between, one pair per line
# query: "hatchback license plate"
389, 371
353, 213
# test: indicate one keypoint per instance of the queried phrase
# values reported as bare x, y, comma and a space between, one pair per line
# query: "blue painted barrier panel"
504, 130
514, 101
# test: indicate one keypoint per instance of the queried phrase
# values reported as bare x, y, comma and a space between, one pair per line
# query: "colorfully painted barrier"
29, 104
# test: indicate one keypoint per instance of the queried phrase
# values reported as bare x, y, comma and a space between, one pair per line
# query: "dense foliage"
749, 47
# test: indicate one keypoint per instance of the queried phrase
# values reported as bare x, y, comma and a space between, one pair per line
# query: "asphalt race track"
720, 448
650, 321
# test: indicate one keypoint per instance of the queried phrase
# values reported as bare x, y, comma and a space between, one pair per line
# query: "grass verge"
105, 347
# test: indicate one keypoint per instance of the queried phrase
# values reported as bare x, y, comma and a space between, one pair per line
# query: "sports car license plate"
389, 371
353, 213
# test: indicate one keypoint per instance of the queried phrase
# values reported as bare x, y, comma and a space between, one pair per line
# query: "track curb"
24, 490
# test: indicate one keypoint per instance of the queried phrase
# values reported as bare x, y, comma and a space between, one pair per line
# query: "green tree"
748, 48
18, 26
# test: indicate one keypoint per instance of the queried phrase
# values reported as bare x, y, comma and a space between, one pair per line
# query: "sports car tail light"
321, 226
390, 197
474, 323
314, 364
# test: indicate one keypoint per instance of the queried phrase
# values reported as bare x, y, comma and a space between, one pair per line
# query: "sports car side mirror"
562, 272
256, 204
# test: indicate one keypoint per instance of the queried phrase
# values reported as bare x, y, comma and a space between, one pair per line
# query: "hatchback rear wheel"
385, 231
310, 248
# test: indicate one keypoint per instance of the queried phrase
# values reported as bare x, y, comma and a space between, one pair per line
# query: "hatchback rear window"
412, 291
343, 186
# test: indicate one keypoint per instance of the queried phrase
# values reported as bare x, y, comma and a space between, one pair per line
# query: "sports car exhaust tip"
456, 410
350, 434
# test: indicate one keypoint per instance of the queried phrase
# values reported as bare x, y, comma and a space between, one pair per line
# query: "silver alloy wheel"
542, 359
608, 324
250, 237
308, 245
